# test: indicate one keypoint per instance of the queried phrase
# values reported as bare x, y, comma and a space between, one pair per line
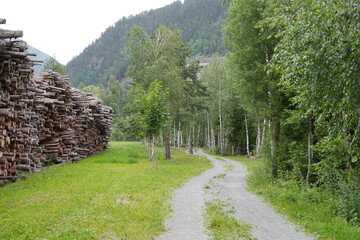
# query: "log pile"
42, 118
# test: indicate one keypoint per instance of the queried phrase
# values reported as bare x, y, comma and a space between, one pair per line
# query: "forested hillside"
39, 56
199, 20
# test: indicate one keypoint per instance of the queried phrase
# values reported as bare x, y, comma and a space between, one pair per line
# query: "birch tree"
160, 55
152, 112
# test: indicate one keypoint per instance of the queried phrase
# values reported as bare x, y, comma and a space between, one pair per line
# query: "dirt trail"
189, 202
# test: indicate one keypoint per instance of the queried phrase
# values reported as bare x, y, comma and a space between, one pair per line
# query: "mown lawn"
113, 195
313, 208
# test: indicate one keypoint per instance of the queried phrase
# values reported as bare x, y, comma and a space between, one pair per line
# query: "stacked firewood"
42, 118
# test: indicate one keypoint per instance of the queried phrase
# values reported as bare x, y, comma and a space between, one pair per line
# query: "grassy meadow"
116, 194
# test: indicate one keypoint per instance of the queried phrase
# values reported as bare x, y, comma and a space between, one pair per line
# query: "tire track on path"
187, 221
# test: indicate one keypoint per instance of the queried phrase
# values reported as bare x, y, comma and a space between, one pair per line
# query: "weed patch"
222, 225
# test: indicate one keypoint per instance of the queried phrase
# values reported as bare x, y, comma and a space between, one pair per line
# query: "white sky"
64, 28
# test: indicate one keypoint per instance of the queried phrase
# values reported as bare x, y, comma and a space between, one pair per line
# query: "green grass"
113, 195
222, 225
312, 208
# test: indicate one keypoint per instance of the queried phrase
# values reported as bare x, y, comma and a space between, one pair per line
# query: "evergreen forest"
199, 20
281, 82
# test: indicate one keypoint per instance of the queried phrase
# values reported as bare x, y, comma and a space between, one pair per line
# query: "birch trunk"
258, 138
247, 136
212, 138
263, 134
190, 142
208, 132
153, 149
175, 136
178, 135
221, 129
149, 148
310, 149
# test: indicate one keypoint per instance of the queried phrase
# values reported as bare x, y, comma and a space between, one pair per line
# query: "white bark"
179, 135
208, 132
221, 145
263, 134
258, 138
175, 137
212, 146
247, 135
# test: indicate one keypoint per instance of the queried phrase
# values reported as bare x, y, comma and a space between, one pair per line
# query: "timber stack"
42, 118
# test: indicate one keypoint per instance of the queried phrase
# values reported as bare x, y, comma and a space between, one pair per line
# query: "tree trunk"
258, 138
190, 142
212, 137
167, 144
179, 135
220, 129
153, 149
263, 135
175, 136
208, 132
189, 136
149, 148
310, 149
181, 139
247, 136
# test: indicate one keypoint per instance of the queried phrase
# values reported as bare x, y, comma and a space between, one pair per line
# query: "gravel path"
189, 202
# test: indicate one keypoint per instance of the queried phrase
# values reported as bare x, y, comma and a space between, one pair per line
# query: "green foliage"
158, 56
95, 198
162, 56
317, 59
296, 64
52, 64
152, 108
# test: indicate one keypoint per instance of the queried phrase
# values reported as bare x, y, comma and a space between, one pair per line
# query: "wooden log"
10, 34
5, 112
41, 116
24, 167
2, 21
16, 54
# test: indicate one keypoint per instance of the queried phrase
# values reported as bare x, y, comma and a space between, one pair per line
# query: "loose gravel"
226, 182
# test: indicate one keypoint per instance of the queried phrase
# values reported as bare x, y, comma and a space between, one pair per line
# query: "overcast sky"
63, 28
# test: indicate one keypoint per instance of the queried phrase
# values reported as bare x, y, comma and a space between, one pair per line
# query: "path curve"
189, 201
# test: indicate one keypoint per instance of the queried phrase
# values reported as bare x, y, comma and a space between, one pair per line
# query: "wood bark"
179, 135
167, 144
310, 149
10, 34
247, 136
42, 118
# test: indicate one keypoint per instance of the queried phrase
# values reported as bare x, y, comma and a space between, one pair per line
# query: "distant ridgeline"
199, 20
42, 118
41, 56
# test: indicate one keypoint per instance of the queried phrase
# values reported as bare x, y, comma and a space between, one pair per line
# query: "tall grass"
313, 208
112, 195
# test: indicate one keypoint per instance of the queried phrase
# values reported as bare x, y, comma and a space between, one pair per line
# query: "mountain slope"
39, 56
200, 21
